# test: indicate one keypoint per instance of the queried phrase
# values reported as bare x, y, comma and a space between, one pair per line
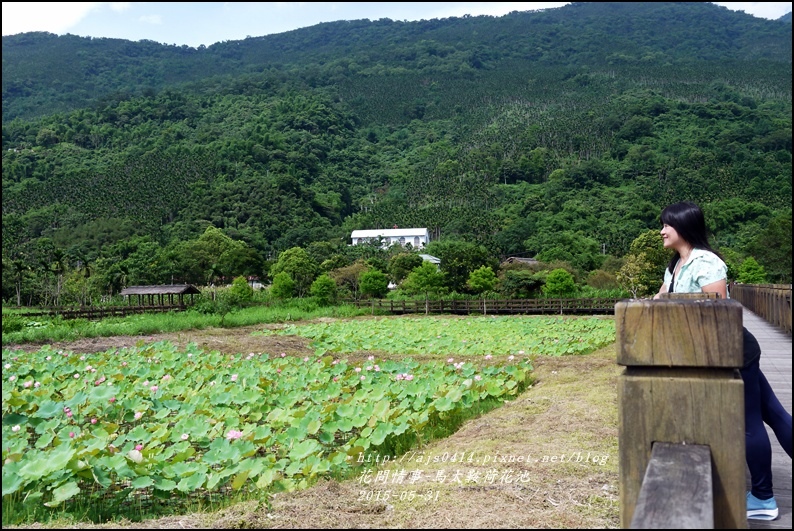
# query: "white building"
418, 238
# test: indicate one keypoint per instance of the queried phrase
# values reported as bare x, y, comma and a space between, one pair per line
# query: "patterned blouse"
702, 268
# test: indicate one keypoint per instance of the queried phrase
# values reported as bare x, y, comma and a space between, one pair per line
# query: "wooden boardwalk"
776, 366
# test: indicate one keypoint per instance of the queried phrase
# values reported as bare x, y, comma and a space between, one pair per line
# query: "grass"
48, 330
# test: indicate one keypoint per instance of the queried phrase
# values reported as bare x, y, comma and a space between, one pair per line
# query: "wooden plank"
679, 333
682, 405
677, 491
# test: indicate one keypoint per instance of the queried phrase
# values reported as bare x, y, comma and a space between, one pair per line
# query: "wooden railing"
771, 302
681, 413
100, 312
491, 306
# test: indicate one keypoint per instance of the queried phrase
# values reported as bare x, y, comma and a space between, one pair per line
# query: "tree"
298, 264
633, 276
521, 283
481, 281
772, 248
425, 279
751, 272
559, 283
283, 287
402, 264
348, 277
374, 283
459, 259
643, 271
323, 289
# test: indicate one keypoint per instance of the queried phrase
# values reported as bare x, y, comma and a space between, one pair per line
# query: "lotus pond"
165, 422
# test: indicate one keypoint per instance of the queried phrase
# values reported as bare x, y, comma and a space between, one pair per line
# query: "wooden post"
681, 386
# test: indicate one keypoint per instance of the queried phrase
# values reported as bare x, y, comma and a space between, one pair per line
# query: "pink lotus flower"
185, 436
123, 363
27, 384
377, 369
69, 414
278, 371
511, 357
76, 375
371, 358
37, 384
306, 358
363, 378
93, 421
234, 377
234, 434
478, 377
336, 379
12, 378
48, 358
71, 434
112, 399
283, 354
357, 369
153, 388
488, 356
16, 428
139, 447
409, 377
138, 415
166, 377
451, 360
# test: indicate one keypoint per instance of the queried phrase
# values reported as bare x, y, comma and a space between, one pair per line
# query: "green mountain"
559, 133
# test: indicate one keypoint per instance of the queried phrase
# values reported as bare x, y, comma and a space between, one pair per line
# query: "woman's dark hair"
689, 222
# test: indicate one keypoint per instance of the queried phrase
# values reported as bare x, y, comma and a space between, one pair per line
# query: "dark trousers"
762, 406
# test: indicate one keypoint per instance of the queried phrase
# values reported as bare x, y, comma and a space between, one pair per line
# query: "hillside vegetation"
558, 134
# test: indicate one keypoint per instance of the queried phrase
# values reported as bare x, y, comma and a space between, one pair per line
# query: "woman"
696, 267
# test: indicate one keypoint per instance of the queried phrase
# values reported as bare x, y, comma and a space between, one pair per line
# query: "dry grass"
571, 411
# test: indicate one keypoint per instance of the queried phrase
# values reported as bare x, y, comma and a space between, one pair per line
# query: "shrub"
283, 286
324, 290
559, 283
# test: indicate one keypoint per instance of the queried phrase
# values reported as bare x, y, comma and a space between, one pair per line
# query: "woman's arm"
663, 289
720, 287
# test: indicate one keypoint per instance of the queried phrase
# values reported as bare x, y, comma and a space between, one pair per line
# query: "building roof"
168, 289
430, 258
390, 233
521, 260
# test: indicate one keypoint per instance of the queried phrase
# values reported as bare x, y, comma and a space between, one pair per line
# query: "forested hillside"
558, 134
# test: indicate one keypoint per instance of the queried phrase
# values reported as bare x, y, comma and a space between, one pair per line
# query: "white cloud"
53, 17
152, 19
770, 10
120, 7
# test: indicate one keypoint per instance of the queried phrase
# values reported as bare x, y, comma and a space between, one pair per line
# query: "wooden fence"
492, 306
681, 413
771, 302
100, 312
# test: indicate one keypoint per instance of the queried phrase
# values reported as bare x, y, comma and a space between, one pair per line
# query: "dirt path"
545, 460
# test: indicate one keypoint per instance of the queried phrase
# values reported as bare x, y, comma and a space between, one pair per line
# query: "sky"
197, 23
